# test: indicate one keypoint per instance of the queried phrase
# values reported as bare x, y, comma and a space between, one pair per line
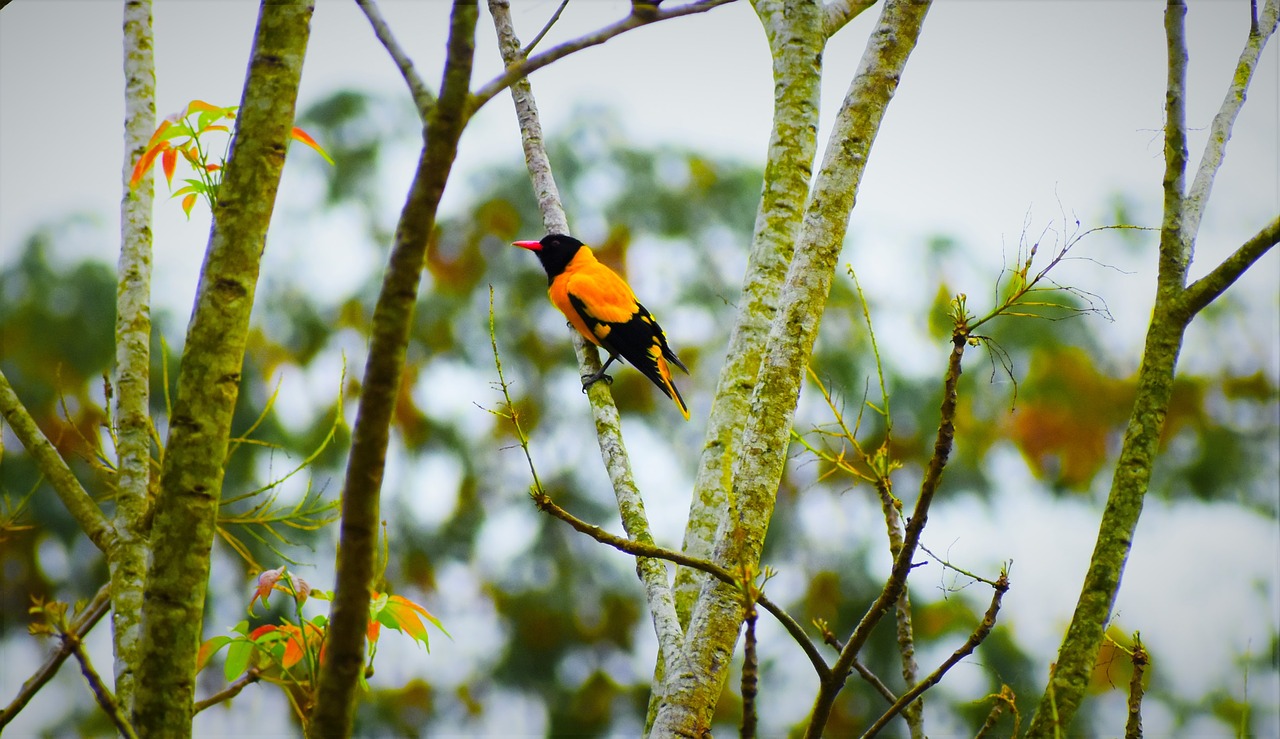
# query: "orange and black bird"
601, 305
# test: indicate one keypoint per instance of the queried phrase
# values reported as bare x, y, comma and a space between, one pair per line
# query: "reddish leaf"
305, 138
168, 161
148, 158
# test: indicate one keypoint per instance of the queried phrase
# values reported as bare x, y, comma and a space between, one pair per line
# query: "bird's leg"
589, 380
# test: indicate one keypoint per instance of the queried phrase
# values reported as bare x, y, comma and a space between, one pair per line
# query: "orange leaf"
188, 203
168, 161
164, 126
201, 105
148, 158
375, 629
305, 138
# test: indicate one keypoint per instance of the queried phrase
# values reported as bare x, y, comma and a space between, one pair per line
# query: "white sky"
1005, 108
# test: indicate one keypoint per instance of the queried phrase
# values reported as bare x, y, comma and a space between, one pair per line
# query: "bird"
603, 308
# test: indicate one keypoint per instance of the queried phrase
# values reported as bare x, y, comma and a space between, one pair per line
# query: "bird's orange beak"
530, 245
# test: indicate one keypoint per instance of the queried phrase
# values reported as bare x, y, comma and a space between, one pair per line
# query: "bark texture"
389, 340
209, 379
690, 696
128, 560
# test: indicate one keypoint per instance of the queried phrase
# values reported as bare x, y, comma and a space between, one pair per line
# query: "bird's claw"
589, 380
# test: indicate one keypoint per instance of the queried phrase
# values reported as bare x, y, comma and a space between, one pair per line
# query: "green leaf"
238, 655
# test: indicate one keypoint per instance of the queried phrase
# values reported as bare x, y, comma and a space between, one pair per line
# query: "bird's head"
555, 251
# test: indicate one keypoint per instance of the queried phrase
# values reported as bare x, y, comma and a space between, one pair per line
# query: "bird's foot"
589, 380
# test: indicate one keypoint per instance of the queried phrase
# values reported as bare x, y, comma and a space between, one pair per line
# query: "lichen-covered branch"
1204, 290
128, 559
796, 40
209, 381
690, 696
1220, 129
652, 573
388, 344
54, 468
1175, 306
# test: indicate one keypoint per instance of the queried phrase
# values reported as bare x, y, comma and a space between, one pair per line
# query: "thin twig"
554, 17
99, 689
423, 99
979, 634
80, 626
638, 549
526, 67
1140, 658
250, 677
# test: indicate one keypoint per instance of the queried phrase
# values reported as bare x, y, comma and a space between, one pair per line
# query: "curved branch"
423, 99
838, 13
525, 67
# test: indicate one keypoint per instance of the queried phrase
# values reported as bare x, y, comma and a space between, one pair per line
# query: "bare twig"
522, 68
79, 627
250, 677
528, 49
638, 549
423, 99
1140, 658
99, 689
979, 634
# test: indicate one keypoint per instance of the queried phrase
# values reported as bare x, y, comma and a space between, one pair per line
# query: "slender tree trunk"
392, 319
1175, 307
209, 379
128, 560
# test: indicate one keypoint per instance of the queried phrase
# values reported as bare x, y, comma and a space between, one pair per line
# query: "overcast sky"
1005, 109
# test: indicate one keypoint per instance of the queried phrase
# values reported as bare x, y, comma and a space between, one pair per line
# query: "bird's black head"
555, 251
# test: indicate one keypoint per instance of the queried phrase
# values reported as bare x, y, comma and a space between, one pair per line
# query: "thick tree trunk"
209, 379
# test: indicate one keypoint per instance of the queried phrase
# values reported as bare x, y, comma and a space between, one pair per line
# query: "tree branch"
1220, 129
652, 573
80, 626
423, 99
690, 697
838, 13
795, 43
51, 464
650, 550
384, 369
528, 66
1206, 289
896, 584
977, 637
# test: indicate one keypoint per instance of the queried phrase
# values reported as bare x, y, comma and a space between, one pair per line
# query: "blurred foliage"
548, 618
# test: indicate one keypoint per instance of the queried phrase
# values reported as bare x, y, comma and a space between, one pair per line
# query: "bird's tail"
659, 372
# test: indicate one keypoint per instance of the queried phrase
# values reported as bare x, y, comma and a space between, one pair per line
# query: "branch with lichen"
652, 573
54, 468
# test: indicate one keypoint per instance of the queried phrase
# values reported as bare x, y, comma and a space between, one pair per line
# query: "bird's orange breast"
600, 290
